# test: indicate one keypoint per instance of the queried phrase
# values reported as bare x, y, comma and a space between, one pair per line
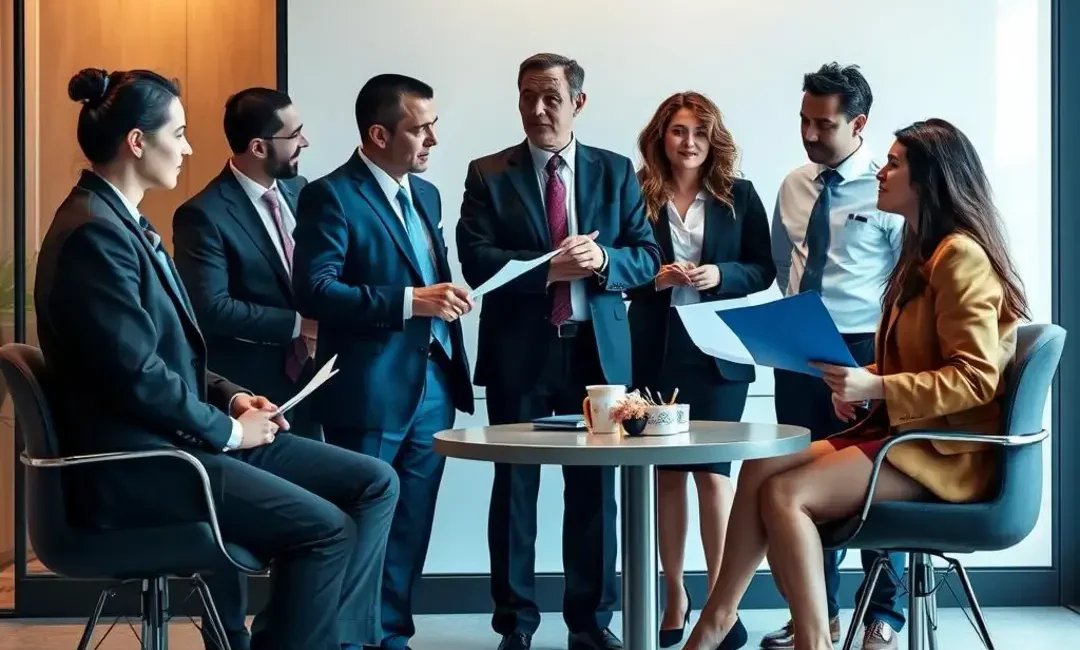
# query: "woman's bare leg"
671, 535
744, 551
830, 487
715, 497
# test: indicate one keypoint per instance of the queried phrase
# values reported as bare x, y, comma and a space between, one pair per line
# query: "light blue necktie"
817, 233
440, 331
163, 259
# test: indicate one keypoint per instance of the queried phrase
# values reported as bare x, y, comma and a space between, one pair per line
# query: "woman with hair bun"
128, 370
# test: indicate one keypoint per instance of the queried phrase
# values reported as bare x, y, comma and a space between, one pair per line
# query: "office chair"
148, 555
925, 529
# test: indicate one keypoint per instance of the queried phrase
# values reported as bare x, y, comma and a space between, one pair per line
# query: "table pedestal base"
639, 571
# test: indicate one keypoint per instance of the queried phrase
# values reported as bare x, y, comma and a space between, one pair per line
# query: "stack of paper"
789, 333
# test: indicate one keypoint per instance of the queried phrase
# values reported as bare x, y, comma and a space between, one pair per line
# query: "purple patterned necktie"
555, 202
296, 357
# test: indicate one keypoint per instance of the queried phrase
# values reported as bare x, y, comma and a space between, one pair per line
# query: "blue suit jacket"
351, 265
503, 219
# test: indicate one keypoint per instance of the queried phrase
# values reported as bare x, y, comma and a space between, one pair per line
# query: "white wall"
982, 64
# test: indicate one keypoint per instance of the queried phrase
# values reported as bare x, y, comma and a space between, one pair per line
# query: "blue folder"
789, 333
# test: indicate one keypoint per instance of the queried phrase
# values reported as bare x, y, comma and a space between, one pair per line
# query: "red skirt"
869, 440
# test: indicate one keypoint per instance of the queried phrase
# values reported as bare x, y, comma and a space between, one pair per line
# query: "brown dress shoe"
880, 636
784, 638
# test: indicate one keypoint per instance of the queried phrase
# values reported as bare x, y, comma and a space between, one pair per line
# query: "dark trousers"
419, 470
588, 541
806, 401
323, 515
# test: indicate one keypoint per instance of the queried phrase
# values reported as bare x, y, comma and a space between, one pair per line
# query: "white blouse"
687, 236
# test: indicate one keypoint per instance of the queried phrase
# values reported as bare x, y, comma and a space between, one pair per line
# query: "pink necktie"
555, 201
297, 355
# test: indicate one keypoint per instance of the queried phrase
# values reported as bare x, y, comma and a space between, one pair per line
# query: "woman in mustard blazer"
952, 306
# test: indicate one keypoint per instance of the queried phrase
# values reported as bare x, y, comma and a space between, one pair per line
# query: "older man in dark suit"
549, 192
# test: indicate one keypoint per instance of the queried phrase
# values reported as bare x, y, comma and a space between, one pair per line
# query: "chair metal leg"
931, 605
980, 622
917, 614
155, 614
88, 631
217, 628
864, 602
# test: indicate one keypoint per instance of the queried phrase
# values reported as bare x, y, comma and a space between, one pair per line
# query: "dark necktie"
817, 233
555, 203
297, 354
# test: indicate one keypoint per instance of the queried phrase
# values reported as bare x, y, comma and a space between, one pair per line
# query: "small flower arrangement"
630, 413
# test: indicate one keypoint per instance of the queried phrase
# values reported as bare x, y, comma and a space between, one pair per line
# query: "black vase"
635, 426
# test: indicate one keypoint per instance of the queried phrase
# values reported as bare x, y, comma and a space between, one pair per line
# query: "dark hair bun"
88, 85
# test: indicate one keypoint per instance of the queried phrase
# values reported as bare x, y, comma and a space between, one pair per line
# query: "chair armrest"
922, 434
180, 454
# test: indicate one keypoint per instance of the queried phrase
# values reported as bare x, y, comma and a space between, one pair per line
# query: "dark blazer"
738, 243
503, 219
351, 265
125, 357
238, 285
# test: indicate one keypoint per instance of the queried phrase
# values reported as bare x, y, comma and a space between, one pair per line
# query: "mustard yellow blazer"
942, 355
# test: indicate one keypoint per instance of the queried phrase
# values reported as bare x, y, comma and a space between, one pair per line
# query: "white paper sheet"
710, 334
325, 373
510, 271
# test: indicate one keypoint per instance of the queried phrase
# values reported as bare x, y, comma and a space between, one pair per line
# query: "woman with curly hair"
714, 236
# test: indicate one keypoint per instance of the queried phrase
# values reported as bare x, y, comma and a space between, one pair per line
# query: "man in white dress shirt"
828, 236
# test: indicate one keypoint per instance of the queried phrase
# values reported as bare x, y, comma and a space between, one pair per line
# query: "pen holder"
667, 419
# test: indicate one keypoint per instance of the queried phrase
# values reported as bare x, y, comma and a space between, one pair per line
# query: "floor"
1011, 628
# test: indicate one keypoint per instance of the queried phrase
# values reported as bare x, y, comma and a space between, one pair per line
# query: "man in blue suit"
551, 332
370, 266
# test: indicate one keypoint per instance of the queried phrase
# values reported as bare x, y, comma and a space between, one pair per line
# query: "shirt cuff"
296, 327
237, 435
406, 309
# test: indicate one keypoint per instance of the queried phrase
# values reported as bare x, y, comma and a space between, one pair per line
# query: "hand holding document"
511, 271
325, 373
790, 333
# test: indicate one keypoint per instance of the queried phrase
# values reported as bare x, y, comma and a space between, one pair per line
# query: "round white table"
706, 442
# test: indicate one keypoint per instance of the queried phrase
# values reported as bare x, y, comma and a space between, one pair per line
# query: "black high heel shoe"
736, 637
669, 638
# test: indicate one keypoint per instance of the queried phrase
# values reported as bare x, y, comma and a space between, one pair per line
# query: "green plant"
7, 282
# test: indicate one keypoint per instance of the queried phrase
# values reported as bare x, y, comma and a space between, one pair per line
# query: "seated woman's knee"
781, 493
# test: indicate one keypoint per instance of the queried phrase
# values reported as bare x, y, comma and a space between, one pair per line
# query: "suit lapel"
92, 182
523, 177
376, 198
589, 175
719, 220
662, 232
244, 213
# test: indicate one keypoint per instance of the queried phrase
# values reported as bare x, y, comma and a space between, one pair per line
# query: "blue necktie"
440, 331
817, 233
163, 259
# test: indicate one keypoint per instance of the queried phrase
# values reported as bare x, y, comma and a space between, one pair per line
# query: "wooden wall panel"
213, 48
231, 45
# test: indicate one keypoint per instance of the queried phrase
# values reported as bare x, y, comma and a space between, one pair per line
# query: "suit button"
194, 363
422, 349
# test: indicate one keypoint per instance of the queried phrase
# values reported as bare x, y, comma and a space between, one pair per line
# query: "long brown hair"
954, 197
718, 170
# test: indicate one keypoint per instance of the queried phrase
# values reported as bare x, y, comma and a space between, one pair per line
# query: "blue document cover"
789, 333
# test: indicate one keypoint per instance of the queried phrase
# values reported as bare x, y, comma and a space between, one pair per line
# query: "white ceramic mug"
597, 407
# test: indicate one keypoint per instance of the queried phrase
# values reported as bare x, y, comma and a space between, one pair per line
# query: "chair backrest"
1028, 383
24, 372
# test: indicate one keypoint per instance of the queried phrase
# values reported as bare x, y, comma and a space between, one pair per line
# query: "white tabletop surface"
706, 442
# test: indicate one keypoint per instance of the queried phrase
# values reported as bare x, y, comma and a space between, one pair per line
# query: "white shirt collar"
253, 188
133, 211
541, 156
859, 162
389, 186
